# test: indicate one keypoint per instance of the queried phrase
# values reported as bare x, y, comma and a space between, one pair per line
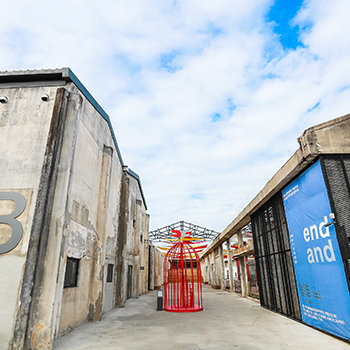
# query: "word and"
317, 254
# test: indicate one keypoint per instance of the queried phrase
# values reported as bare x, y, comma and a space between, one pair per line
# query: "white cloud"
205, 102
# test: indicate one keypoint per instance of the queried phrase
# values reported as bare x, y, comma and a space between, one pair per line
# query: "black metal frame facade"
336, 172
274, 263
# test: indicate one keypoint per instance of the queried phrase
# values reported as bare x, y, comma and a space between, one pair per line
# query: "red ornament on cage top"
182, 277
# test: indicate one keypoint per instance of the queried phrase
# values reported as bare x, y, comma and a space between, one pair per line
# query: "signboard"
322, 287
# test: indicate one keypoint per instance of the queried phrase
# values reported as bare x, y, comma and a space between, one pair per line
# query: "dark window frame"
110, 268
72, 273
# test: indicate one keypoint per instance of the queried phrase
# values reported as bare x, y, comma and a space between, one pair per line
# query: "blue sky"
207, 99
281, 14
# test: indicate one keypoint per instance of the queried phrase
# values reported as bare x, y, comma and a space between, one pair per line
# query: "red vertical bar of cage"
190, 286
199, 280
175, 275
184, 276
172, 291
169, 254
167, 290
192, 273
165, 278
174, 272
179, 284
188, 291
171, 277
179, 275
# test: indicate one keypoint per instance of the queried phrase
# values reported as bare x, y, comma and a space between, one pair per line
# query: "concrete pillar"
230, 265
212, 268
97, 280
207, 269
222, 260
151, 267
120, 269
136, 277
210, 280
242, 267
136, 251
156, 269
146, 253
42, 281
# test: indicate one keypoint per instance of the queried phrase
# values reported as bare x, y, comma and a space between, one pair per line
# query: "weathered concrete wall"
61, 156
93, 217
132, 244
78, 226
205, 267
27, 125
144, 247
218, 270
211, 266
152, 249
158, 269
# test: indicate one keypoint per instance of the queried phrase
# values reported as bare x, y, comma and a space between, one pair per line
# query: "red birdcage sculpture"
182, 278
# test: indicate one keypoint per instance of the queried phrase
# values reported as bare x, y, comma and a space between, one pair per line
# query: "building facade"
73, 222
301, 231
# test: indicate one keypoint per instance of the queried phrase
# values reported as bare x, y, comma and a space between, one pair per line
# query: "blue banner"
322, 286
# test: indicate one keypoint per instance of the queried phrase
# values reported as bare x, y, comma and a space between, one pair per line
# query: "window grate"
336, 172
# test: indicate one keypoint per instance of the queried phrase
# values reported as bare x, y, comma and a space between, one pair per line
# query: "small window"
217, 251
71, 277
141, 238
110, 273
188, 264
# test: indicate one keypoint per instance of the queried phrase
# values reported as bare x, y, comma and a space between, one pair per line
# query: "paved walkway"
228, 322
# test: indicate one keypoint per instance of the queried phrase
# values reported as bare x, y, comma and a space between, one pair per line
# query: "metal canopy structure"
165, 232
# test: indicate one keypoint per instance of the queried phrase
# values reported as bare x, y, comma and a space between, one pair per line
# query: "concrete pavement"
228, 322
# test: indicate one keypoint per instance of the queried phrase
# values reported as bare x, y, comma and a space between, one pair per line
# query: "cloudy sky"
207, 98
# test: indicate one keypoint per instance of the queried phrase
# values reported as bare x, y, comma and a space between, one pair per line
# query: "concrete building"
73, 223
132, 242
301, 230
232, 268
